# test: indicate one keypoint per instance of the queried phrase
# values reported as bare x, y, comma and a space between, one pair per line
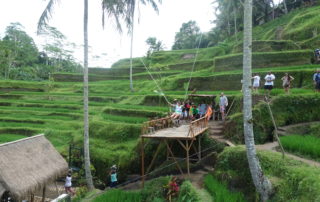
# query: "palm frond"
46, 15
114, 9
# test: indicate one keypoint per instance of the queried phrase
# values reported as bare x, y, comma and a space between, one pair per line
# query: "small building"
27, 166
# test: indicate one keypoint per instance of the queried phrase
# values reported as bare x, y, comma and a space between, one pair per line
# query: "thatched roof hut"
28, 165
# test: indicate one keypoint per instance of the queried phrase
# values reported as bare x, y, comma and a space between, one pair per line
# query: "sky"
107, 42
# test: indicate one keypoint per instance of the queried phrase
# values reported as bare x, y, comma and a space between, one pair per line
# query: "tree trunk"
273, 7
235, 23
86, 102
285, 7
262, 184
131, 50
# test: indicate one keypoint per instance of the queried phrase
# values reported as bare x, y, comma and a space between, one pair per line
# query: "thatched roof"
28, 164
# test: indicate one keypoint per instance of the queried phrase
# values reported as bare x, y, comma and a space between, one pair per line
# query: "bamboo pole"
154, 157
43, 194
174, 159
188, 163
142, 162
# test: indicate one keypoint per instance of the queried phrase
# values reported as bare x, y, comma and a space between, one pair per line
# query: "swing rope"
159, 88
193, 65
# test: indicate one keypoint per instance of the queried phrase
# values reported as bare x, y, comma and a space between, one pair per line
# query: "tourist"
113, 176
68, 184
209, 113
268, 85
178, 111
223, 103
202, 109
286, 82
316, 80
187, 109
195, 112
256, 83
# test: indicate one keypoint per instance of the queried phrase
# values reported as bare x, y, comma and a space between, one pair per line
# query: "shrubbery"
287, 109
291, 179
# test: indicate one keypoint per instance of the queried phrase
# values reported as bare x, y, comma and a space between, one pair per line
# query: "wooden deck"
181, 132
185, 132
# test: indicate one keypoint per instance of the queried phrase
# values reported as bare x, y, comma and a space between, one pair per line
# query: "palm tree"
262, 184
113, 9
43, 22
131, 7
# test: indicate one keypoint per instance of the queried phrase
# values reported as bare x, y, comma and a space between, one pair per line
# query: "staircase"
216, 132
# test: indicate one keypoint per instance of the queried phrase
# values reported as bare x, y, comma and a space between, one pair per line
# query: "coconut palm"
262, 184
117, 10
131, 7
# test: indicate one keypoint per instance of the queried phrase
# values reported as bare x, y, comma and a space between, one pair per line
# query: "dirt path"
272, 147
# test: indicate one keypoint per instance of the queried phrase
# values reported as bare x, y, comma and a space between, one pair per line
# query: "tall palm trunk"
131, 50
262, 184
235, 22
285, 7
86, 102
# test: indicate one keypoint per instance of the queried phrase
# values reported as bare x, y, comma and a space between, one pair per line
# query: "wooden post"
32, 198
57, 190
174, 159
188, 166
43, 194
199, 148
154, 157
142, 162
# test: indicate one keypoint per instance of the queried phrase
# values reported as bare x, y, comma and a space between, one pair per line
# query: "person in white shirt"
68, 184
268, 85
223, 103
256, 83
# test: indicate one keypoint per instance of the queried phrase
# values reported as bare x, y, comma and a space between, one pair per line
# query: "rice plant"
306, 145
220, 192
116, 195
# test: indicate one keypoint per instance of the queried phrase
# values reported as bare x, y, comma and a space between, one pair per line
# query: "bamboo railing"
198, 126
157, 124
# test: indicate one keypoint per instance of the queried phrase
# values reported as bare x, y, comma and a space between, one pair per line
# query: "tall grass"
116, 195
305, 145
126, 119
220, 192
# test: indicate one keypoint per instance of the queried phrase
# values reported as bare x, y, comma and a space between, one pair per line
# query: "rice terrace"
182, 101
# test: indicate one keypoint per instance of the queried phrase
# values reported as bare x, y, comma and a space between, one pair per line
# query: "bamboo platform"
181, 132
164, 130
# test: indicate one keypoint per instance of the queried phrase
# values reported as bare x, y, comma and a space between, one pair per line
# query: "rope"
159, 88
194, 63
156, 170
275, 127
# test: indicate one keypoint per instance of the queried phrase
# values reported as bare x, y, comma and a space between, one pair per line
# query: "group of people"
190, 111
269, 82
286, 82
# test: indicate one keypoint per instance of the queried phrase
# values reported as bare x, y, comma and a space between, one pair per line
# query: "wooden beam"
154, 157
188, 163
170, 151
43, 194
199, 148
184, 147
142, 162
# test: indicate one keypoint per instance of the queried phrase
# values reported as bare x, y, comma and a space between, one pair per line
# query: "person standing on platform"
223, 103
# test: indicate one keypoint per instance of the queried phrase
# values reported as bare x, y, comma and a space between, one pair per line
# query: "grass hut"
27, 165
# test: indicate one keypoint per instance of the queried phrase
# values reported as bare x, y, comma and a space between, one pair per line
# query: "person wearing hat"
113, 176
